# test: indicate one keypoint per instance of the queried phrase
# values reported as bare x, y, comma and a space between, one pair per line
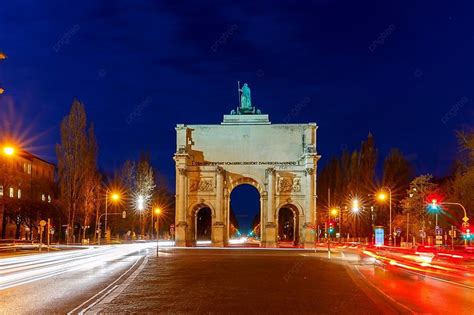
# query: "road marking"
97, 307
73, 311
367, 281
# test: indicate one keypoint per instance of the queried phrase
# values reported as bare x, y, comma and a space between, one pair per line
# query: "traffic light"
331, 227
434, 205
466, 231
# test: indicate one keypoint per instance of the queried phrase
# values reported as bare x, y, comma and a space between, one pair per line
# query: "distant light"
355, 205
157, 211
2, 56
334, 212
140, 203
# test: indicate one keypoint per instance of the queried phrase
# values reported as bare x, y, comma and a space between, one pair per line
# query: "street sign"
422, 234
439, 231
42, 222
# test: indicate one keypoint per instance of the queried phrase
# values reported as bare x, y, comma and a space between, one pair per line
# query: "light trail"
17, 271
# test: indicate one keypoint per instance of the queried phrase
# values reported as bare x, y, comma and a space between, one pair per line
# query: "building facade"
26, 189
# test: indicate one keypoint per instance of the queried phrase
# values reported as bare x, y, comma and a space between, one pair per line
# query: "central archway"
245, 204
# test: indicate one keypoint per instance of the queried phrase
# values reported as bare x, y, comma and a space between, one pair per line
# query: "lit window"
19, 193
1, 191
25, 168
29, 168
49, 198
43, 198
11, 192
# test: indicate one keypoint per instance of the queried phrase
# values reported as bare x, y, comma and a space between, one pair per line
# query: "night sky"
401, 70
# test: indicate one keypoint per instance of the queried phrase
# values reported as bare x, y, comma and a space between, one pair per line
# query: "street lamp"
8, 150
115, 198
157, 213
382, 196
335, 212
355, 205
140, 203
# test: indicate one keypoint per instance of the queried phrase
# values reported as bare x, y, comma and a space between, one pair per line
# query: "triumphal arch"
279, 160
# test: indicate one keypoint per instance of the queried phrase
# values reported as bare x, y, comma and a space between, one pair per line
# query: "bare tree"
73, 163
91, 189
144, 187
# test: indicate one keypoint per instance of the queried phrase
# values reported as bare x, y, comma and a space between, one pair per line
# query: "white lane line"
99, 305
103, 290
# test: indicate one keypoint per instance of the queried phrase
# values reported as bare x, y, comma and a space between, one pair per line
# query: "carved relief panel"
287, 185
201, 185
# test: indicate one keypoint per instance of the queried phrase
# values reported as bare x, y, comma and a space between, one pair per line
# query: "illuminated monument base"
279, 160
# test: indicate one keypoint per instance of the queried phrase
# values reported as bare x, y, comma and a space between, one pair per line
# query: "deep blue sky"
165, 59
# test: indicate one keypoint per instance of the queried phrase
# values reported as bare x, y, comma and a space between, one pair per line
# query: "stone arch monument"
279, 160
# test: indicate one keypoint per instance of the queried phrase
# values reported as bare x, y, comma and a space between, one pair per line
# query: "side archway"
288, 224
202, 219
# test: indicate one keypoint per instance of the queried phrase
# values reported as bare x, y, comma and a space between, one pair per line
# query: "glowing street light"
157, 227
355, 205
382, 196
8, 150
140, 203
115, 196
334, 212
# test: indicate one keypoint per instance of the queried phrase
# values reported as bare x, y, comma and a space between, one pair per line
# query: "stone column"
270, 226
219, 225
180, 236
309, 231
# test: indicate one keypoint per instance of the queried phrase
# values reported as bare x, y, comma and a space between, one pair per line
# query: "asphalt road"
132, 279
241, 281
58, 282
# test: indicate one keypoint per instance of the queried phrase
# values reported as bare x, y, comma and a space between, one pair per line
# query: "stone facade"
279, 160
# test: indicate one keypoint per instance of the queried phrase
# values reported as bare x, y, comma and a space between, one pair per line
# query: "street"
58, 282
132, 278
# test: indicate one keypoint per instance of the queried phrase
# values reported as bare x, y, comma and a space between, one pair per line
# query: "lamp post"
157, 228
382, 196
336, 212
355, 210
115, 197
8, 151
